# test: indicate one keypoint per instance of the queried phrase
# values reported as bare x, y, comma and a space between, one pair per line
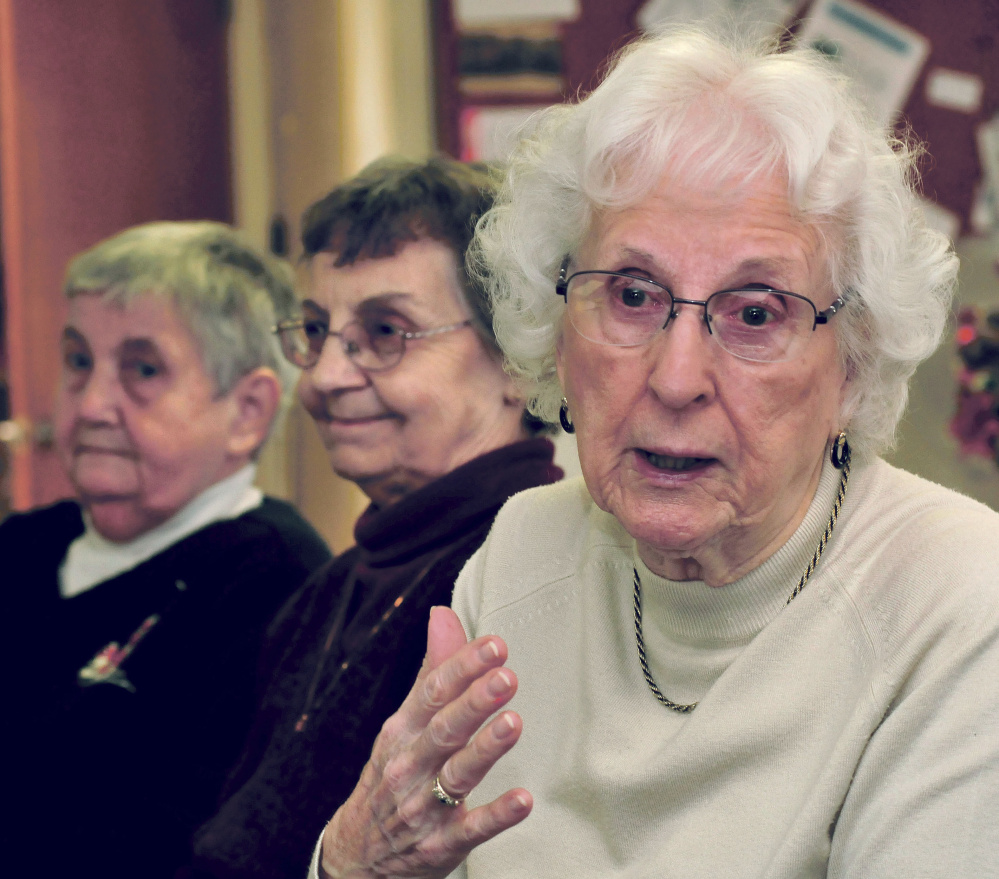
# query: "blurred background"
116, 112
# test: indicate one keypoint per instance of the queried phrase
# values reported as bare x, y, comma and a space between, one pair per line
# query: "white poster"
884, 55
471, 13
770, 15
489, 134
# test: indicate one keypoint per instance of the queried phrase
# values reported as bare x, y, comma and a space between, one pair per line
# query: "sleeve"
925, 795
467, 599
460, 873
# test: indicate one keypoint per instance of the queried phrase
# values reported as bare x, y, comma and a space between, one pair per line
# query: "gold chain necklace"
643, 661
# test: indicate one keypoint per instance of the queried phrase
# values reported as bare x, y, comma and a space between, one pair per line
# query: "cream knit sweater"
852, 733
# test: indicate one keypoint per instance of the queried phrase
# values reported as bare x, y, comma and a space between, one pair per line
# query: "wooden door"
112, 113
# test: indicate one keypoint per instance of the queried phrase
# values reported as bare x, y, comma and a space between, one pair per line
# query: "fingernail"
504, 726
500, 683
488, 651
522, 801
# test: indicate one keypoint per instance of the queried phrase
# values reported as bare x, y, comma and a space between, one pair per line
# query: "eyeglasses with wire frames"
755, 322
371, 343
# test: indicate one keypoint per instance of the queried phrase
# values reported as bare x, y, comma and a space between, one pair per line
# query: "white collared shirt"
92, 559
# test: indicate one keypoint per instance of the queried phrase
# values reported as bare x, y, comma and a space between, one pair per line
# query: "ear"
513, 394
847, 404
255, 399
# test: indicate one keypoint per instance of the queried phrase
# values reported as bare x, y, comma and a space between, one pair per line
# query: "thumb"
445, 637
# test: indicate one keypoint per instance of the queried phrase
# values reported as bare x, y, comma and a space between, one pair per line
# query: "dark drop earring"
563, 417
840, 452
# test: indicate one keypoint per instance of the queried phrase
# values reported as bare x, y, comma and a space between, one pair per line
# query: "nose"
334, 371
100, 396
682, 360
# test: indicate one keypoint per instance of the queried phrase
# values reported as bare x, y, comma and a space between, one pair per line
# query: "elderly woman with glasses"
742, 644
404, 379
133, 613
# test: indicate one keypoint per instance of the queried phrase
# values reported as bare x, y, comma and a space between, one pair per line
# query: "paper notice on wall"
883, 55
489, 134
985, 214
769, 15
987, 136
472, 13
954, 90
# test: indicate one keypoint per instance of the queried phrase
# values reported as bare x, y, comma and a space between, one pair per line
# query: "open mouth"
675, 464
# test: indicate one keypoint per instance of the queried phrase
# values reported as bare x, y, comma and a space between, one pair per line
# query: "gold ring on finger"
443, 796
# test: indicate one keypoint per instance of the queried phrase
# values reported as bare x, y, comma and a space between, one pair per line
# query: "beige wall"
320, 88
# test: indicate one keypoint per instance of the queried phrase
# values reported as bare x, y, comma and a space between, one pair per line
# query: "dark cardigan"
111, 779
324, 705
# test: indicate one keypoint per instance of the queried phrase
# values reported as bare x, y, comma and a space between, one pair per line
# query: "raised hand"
393, 824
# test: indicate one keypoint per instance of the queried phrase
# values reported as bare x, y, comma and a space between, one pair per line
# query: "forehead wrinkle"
779, 264
378, 300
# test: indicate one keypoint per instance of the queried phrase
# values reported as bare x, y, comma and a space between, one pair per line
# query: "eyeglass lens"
371, 343
762, 325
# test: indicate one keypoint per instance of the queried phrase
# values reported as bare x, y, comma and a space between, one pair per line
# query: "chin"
670, 528
116, 525
358, 465
104, 482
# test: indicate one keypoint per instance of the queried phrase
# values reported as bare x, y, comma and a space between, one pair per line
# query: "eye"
142, 369
635, 294
755, 316
77, 361
633, 297
315, 329
379, 328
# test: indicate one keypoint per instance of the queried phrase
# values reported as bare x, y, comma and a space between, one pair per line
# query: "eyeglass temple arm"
562, 284
822, 317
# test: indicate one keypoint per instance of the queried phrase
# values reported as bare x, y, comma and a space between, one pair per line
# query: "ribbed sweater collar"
692, 612
457, 502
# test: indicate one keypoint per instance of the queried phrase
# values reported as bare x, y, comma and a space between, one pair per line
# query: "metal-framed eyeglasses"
755, 322
371, 343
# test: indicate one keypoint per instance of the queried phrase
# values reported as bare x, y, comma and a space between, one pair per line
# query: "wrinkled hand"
392, 824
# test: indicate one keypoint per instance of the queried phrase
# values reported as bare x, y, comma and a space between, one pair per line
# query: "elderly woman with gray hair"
742, 644
133, 614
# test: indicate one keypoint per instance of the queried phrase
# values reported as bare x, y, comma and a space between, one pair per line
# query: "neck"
736, 550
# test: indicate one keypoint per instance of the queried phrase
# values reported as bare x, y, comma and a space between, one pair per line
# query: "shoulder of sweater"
290, 527
916, 562
309, 605
271, 536
541, 536
259, 557
898, 514
33, 545
62, 520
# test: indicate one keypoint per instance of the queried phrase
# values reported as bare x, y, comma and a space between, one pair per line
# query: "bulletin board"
492, 75
941, 109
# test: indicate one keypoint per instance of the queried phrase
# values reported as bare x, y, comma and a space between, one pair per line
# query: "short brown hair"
393, 201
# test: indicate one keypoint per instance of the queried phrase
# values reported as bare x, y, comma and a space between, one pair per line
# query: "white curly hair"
728, 110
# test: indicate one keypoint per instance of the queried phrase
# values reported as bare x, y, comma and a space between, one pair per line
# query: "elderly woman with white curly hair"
742, 644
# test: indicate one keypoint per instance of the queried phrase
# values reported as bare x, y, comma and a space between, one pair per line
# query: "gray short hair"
228, 293
727, 111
